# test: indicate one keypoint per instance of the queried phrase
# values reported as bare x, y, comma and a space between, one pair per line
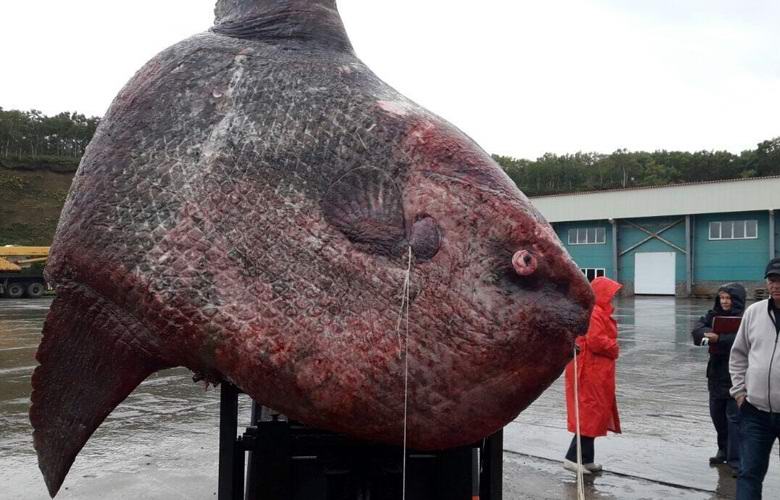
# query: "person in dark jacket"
730, 301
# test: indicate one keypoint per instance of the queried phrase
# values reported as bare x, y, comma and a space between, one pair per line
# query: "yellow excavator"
21, 271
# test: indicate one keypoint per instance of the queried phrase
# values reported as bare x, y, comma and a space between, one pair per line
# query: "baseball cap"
773, 267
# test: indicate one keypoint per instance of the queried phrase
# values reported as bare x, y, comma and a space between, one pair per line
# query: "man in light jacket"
755, 375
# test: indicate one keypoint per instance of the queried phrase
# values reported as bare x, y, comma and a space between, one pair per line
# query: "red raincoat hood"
605, 289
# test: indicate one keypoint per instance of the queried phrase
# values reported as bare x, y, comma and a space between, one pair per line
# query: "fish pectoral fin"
89, 363
366, 205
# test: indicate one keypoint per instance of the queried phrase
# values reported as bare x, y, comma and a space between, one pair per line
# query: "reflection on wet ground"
165, 431
162, 442
663, 403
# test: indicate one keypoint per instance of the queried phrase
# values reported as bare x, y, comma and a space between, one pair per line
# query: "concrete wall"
755, 289
737, 195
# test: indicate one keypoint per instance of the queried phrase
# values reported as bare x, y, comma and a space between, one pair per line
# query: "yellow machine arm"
17, 251
6, 265
13, 258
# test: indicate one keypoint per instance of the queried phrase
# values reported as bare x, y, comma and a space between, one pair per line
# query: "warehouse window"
593, 272
587, 236
734, 230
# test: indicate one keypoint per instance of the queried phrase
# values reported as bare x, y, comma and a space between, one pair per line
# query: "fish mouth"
579, 302
572, 317
575, 324
579, 332
555, 320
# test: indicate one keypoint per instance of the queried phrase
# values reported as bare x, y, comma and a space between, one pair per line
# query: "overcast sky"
521, 77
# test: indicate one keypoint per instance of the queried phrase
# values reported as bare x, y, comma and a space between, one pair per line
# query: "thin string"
580, 479
404, 303
403, 315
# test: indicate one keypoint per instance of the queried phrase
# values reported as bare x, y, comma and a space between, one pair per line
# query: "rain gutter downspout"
771, 234
688, 257
614, 250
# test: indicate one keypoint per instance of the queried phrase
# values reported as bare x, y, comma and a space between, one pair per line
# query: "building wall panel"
730, 260
596, 255
714, 261
629, 236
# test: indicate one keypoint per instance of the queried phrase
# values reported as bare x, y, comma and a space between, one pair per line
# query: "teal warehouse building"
683, 240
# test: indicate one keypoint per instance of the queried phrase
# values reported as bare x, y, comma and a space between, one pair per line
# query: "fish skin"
247, 209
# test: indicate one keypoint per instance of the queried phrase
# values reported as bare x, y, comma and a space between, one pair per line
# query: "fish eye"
425, 239
524, 262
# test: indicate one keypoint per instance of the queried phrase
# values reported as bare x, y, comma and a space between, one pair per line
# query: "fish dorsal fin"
315, 22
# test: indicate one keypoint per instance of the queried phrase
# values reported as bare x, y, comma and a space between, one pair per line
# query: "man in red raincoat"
598, 352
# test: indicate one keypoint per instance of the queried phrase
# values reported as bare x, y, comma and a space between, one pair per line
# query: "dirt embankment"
31, 199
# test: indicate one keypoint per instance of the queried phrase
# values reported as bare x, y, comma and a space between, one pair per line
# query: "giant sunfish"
259, 207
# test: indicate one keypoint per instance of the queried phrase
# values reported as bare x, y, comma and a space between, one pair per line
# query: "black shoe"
719, 458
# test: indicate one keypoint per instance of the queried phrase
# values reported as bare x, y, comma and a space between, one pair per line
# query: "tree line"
569, 173
31, 135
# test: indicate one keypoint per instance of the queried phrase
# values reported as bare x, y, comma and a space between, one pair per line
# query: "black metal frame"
288, 461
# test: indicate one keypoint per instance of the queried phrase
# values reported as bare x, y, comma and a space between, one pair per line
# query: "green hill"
39, 155
31, 198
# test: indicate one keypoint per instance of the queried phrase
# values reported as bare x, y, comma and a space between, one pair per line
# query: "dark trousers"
587, 449
758, 431
725, 417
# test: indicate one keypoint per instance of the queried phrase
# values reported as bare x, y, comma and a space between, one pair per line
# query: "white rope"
404, 315
404, 303
580, 479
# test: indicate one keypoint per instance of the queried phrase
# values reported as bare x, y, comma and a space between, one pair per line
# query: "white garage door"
654, 273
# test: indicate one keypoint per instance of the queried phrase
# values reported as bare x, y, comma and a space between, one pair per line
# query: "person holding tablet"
729, 303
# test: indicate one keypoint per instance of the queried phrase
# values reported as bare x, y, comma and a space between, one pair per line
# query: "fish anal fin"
90, 361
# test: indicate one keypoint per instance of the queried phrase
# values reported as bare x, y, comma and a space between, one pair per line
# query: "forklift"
276, 458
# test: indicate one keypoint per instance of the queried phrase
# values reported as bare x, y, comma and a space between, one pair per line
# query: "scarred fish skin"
249, 207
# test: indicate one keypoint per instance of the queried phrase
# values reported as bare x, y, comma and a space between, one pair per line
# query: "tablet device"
726, 324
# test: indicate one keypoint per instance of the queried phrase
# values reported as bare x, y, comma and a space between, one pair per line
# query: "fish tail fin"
89, 363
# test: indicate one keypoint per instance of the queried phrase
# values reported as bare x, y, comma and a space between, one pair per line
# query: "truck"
21, 271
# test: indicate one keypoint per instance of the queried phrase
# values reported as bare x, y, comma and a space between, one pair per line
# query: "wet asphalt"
162, 442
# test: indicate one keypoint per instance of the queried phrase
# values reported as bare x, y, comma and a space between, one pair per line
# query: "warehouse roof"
737, 195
